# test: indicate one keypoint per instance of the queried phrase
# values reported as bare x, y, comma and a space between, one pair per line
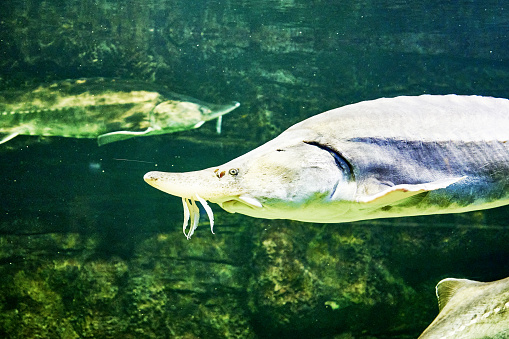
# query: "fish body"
389, 157
107, 109
470, 310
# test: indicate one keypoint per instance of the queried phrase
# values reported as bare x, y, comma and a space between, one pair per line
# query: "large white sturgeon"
383, 158
107, 109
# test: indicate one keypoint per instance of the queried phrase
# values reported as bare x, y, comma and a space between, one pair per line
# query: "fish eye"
204, 110
233, 171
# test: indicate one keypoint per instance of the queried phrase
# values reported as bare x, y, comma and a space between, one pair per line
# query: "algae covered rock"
72, 289
316, 278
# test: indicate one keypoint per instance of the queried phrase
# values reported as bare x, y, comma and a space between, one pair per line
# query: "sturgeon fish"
470, 310
107, 109
390, 157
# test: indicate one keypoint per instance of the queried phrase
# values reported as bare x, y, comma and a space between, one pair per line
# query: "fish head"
273, 182
294, 181
184, 114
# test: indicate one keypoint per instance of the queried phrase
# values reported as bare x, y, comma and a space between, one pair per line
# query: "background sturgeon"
109, 109
383, 158
470, 309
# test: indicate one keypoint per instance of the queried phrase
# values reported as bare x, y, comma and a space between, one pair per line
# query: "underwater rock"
311, 279
69, 286
362, 278
254, 278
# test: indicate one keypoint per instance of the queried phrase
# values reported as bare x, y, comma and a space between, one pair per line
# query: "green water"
87, 249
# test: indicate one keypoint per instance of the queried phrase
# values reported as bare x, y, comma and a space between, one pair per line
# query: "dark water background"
87, 249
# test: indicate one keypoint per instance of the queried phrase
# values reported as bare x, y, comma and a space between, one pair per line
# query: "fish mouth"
240, 202
160, 181
190, 188
184, 185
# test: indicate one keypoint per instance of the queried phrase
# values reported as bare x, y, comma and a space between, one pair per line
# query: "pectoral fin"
9, 137
121, 135
400, 192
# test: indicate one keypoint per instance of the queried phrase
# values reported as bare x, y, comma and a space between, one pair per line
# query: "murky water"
89, 250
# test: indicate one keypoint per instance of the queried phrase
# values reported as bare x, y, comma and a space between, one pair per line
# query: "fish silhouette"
107, 109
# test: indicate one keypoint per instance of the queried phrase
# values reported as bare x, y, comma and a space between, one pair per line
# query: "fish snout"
151, 177
178, 184
186, 185
219, 110
168, 183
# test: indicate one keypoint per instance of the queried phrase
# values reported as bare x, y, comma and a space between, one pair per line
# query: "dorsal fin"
447, 288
